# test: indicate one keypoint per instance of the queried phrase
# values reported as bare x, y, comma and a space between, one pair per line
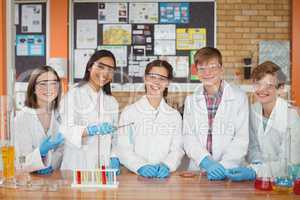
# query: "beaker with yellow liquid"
8, 158
6, 140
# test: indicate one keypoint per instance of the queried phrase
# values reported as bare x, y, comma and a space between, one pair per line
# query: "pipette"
124, 125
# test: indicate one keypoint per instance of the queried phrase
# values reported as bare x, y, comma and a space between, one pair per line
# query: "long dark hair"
96, 56
31, 98
163, 64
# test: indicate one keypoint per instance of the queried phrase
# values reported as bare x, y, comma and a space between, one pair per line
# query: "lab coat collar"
228, 92
92, 91
33, 111
278, 118
145, 104
279, 115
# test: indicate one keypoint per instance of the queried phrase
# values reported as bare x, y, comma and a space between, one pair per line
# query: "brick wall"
241, 24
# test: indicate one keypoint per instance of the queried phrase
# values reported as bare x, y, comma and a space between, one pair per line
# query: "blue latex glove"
100, 129
45, 171
214, 170
115, 164
148, 171
163, 171
51, 143
240, 174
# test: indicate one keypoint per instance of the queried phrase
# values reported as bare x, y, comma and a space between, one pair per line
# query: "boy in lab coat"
216, 118
271, 117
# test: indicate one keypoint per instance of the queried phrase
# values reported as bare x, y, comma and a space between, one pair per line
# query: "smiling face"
210, 72
46, 88
265, 89
102, 72
156, 81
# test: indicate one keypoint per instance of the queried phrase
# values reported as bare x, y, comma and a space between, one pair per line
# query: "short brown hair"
271, 68
206, 53
31, 99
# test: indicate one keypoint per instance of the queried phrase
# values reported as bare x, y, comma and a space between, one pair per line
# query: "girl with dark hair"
152, 146
37, 124
88, 110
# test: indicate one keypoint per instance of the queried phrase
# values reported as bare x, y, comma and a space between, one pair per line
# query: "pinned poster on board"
30, 45
194, 73
143, 13
174, 13
116, 34
142, 39
165, 43
137, 65
120, 52
86, 34
112, 13
31, 19
180, 65
190, 38
81, 57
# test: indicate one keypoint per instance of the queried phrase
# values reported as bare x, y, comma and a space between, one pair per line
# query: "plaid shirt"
212, 104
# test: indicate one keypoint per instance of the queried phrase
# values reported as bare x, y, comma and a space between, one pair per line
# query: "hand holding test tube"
104, 128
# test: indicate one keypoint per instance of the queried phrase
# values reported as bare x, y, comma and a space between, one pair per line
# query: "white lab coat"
268, 146
29, 134
155, 137
80, 107
230, 133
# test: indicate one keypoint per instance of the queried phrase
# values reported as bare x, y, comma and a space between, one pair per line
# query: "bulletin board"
138, 32
30, 46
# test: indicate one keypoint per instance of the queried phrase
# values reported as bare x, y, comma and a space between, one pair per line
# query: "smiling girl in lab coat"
89, 114
270, 118
152, 146
38, 143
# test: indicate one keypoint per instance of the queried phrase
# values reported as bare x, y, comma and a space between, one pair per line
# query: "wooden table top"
131, 187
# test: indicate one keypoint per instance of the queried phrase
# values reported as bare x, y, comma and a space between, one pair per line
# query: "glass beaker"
6, 140
296, 187
295, 171
284, 182
8, 158
264, 179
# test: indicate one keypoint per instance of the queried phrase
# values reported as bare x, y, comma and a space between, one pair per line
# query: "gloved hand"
214, 170
240, 174
163, 171
45, 171
100, 129
115, 164
51, 143
148, 171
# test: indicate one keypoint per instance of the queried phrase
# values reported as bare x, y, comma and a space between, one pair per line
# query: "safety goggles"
105, 68
210, 67
47, 84
257, 85
157, 77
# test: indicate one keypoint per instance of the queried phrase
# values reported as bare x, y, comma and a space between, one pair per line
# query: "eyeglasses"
261, 85
210, 67
103, 67
156, 77
46, 84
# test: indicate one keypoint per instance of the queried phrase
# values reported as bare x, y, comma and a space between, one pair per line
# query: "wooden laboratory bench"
131, 187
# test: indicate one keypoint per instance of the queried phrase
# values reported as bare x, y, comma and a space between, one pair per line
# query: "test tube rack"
96, 178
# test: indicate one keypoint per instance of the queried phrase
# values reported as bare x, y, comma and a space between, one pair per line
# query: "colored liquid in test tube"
263, 184
283, 185
297, 186
78, 177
